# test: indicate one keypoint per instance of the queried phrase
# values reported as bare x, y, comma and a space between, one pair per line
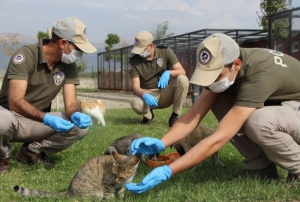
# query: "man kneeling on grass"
255, 95
35, 75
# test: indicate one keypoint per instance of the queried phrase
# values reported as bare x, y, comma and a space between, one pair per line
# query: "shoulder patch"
58, 77
161, 46
19, 58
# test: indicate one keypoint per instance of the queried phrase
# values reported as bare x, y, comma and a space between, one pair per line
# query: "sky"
127, 17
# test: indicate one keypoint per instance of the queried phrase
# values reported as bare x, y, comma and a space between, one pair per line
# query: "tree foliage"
161, 31
10, 43
41, 34
111, 40
268, 7
81, 65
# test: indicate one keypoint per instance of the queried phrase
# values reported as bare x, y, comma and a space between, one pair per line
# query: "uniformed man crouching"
158, 79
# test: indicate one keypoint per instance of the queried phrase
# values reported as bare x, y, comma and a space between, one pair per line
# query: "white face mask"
221, 85
145, 54
72, 57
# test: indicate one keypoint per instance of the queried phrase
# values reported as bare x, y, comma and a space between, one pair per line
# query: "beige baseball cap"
141, 41
213, 54
73, 30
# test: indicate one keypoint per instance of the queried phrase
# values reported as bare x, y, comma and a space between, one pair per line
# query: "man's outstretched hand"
155, 177
147, 145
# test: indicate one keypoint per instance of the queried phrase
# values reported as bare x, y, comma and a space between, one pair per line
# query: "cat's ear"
134, 162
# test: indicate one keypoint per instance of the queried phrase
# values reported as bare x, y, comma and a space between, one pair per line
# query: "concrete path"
110, 99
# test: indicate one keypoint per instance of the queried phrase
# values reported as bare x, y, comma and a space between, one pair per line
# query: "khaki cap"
141, 41
73, 30
213, 54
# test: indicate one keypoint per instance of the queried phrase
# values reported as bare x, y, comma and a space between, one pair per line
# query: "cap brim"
137, 50
86, 47
205, 78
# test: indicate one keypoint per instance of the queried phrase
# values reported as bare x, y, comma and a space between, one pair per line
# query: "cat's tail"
38, 193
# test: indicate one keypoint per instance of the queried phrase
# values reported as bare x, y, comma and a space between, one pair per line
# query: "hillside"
24, 40
2, 72
4, 59
90, 58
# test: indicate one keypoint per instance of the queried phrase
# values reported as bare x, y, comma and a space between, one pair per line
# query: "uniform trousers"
41, 138
175, 93
270, 134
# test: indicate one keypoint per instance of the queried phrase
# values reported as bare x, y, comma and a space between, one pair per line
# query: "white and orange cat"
95, 110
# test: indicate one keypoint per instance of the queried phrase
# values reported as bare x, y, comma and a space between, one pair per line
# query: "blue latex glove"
57, 123
155, 177
81, 120
164, 80
147, 145
150, 100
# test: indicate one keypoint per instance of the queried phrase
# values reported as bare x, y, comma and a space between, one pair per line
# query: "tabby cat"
99, 178
96, 110
184, 145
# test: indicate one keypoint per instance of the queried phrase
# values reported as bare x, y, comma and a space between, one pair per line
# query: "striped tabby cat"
99, 178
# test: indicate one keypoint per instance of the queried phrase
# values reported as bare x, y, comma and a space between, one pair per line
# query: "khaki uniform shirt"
149, 71
266, 76
29, 63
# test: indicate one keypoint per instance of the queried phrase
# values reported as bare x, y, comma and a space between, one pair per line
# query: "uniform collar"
156, 53
242, 71
42, 56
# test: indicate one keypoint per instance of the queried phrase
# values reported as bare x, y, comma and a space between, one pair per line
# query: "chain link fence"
284, 32
113, 66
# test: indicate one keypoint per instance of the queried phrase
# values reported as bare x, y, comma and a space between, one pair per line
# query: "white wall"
88, 83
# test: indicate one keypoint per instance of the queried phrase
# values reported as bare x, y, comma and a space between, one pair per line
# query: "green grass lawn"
206, 183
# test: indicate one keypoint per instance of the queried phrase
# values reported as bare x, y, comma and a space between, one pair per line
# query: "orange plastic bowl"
161, 160
174, 155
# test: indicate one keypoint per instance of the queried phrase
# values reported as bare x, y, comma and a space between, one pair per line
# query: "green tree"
111, 40
41, 34
280, 26
81, 65
161, 31
10, 43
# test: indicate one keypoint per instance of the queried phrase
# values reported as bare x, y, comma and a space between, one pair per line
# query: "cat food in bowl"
161, 160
